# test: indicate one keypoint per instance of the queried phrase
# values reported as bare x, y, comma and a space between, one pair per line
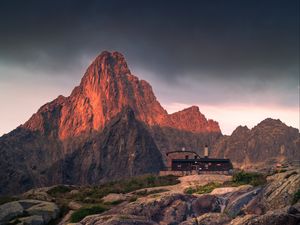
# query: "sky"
237, 60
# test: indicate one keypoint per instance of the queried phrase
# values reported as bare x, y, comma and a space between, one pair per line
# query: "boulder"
275, 217
205, 204
208, 219
32, 220
165, 209
226, 190
177, 211
236, 207
74, 205
116, 219
47, 210
10, 210
113, 198
281, 188
38, 194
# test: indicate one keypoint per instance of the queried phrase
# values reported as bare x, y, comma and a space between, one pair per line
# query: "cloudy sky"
237, 60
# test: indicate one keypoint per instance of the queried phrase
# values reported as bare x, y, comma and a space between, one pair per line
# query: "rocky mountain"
111, 126
268, 143
105, 89
123, 149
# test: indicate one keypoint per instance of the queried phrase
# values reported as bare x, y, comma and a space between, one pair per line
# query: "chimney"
206, 151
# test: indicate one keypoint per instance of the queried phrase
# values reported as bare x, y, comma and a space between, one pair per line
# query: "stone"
205, 204
32, 220
113, 197
236, 207
38, 194
276, 217
47, 210
208, 219
226, 190
74, 205
116, 219
10, 210
281, 188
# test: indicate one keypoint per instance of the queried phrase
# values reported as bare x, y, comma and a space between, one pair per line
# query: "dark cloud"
229, 40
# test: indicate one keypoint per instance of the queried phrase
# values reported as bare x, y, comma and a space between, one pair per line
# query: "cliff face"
105, 89
123, 149
191, 119
268, 143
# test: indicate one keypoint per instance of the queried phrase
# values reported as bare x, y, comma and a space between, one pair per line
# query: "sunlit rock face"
191, 119
105, 89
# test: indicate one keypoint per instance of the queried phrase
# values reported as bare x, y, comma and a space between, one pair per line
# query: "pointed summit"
115, 62
106, 66
105, 89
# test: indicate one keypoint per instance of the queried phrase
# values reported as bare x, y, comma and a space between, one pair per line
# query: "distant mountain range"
112, 127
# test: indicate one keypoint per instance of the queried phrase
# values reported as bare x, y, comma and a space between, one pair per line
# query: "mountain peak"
191, 119
110, 63
105, 89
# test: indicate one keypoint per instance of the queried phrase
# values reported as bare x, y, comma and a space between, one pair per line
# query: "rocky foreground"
275, 202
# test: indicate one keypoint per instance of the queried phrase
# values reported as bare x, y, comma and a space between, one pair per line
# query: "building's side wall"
200, 166
179, 155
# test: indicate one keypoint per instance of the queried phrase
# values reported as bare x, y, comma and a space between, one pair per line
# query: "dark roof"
202, 160
182, 152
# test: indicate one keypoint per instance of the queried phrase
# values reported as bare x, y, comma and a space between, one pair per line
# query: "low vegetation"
296, 197
205, 189
252, 178
5, 199
94, 194
238, 178
83, 212
57, 190
146, 192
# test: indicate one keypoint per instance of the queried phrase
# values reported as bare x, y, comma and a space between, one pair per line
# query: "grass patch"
296, 197
146, 192
205, 189
94, 194
133, 199
117, 202
83, 212
252, 178
238, 178
57, 190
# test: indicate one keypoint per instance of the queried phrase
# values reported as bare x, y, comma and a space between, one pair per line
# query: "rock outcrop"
28, 212
269, 204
